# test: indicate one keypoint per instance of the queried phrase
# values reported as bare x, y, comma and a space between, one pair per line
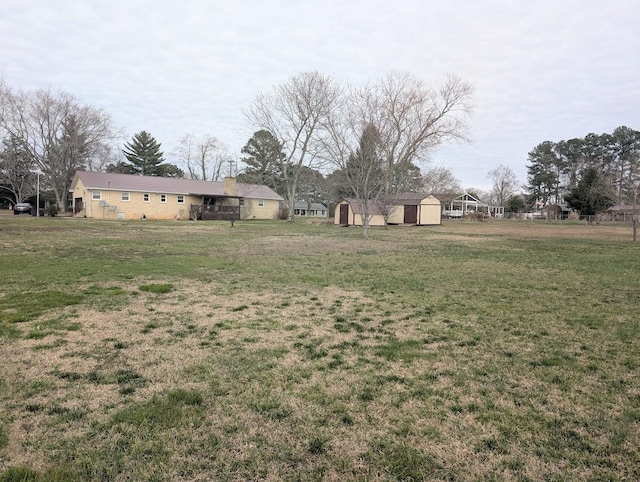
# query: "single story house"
311, 210
624, 212
467, 204
402, 208
556, 211
103, 195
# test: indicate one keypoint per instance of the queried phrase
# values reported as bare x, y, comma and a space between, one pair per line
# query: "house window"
180, 199
163, 198
96, 195
260, 203
145, 197
124, 196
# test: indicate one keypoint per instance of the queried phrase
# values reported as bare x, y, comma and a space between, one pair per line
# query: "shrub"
52, 210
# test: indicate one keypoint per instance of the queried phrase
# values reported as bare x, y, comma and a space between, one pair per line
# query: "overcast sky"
542, 69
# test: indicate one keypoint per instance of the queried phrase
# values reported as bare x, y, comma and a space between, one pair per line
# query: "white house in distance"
125, 196
466, 204
311, 210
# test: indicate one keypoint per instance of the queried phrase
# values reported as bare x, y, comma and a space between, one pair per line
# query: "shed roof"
409, 198
401, 199
355, 206
168, 185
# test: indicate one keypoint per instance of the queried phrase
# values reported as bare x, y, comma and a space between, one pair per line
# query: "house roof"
625, 209
312, 206
470, 198
168, 185
557, 207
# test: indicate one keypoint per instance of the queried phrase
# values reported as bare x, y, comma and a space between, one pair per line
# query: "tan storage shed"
404, 208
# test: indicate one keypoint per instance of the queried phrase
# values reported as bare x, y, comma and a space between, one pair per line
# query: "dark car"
21, 208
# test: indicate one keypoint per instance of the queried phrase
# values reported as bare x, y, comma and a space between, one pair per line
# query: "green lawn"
276, 351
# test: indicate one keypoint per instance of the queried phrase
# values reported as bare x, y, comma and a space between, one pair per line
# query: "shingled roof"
168, 185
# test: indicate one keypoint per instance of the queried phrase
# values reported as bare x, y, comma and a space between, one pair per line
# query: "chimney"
230, 186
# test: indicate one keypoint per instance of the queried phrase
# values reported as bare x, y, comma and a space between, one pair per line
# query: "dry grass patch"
454, 353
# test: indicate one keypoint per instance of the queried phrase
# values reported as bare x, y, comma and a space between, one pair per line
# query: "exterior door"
78, 205
411, 214
344, 214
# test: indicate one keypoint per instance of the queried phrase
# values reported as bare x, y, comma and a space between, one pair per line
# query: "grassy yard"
272, 351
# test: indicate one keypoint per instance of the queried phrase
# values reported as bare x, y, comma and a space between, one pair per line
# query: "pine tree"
264, 159
144, 155
592, 195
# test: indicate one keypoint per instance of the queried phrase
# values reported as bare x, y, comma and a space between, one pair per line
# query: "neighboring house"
556, 211
311, 210
124, 196
467, 204
624, 212
404, 208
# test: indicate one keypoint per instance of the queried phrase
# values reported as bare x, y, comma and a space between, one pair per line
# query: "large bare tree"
59, 133
295, 112
203, 158
409, 121
504, 184
439, 181
414, 118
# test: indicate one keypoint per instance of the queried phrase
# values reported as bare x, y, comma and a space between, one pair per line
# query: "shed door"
344, 214
411, 214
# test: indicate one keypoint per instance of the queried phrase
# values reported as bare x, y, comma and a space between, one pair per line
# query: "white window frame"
125, 196
260, 203
163, 198
180, 198
146, 197
96, 195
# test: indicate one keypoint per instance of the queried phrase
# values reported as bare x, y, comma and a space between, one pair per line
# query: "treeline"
555, 168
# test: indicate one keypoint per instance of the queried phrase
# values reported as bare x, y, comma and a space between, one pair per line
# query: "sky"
543, 70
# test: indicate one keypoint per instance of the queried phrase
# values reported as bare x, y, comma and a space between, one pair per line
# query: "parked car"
21, 208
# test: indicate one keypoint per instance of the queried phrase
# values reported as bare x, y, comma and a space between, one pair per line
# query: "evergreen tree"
17, 178
515, 204
542, 174
67, 154
592, 195
144, 155
264, 159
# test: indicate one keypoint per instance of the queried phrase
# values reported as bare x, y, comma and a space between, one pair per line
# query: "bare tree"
504, 182
60, 134
203, 158
440, 182
353, 144
386, 127
413, 118
294, 112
